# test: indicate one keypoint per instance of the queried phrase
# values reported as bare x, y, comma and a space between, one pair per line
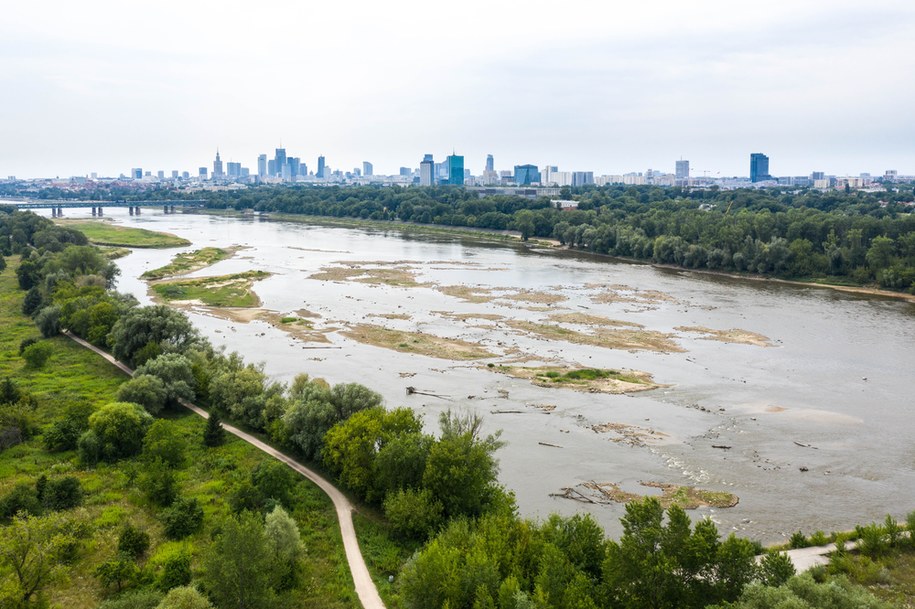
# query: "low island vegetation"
106, 233
183, 264
234, 290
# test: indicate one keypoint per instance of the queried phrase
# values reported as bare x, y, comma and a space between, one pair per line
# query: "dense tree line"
861, 238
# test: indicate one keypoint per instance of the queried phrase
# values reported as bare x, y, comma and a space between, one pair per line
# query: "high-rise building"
759, 167
818, 175
271, 168
279, 161
368, 169
174, 173
406, 172
217, 167
294, 164
427, 171
490, 165
525, 175
582, 178
682, 172
262, 165
136, 173
233, 170
202, 173
160, 174
455, 165
322, 169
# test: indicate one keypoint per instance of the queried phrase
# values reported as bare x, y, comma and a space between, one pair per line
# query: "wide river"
820, 423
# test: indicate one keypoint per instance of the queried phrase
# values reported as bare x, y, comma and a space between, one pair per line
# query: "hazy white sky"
607, 86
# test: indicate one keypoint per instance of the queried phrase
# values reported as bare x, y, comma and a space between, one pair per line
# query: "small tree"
159, 484
237, 566
163, 441
214, 434
29, 550
413, 514
184, 518
133, 542
9, 391
62, 493
120, 572
776, 569
120, 427
146, 390
285, 544
176, 570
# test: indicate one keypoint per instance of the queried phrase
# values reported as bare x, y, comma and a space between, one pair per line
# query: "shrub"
776, 568
120, 572
798, 540
48, 321
871, 540
64, 433
22, 498
32, 301
133, 542
185, 597
120, 427
910, 525
159, 484
9, 391
37, 355
184, 518
163, 441
89, 447
413, 514
893, 531
213, 433
135, 599
62, 493
176, 571
27, 342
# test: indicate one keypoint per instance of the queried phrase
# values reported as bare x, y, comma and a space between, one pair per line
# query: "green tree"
183, 518
120, 572
174, 370
237, 565
62, 493
158, 325
119, 428
176, 570
214, 434
776, 569
163, 441
146, 390
133, 542
284, 543
29, 549
159, 483
413, 514
64, 432
22, 498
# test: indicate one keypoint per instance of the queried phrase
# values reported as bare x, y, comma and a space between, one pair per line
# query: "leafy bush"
413, 514
872, 541
120, 572
214, 434
37, 355
27, 342
798, 540
62, 493
776, 568
32, 301
163, 441
185, 597
64, 433
158, 482
89, 447
120, 427
135, 599
133, 542
22, 498
176, 570
184, 518
146, 390
48, 321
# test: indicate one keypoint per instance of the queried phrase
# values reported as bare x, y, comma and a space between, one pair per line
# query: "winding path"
362, 580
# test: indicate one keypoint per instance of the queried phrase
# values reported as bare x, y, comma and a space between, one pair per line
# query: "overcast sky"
603, 86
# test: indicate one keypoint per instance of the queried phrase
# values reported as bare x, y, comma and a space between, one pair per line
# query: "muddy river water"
812, 429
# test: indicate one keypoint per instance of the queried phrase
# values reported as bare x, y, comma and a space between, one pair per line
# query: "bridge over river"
57, 206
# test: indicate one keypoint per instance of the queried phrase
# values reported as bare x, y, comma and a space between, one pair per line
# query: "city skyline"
101, 86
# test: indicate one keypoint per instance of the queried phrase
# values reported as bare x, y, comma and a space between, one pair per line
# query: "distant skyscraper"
582, 178
455, 165
427, 171
279, 161
759, 167
174, 173
202, 173
217, 167
525, 175
490, 165
818, 175
233, 170
262, 165
294, 164
136, 173
321, 167
160, 174
682, 170
367, 169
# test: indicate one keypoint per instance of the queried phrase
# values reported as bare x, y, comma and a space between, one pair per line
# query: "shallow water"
837, 379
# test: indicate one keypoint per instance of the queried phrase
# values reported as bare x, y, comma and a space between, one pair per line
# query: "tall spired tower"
217, 166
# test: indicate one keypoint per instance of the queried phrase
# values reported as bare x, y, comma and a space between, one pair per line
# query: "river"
819, 424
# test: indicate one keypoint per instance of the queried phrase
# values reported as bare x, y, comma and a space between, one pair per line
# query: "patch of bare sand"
686, 497
401, 316
466, 316
633, 435
734, 335
582, 379
584, 319
307, 313
474, 294
618, 293
635, 339
416, 342
300, 329
402, 277
532, 296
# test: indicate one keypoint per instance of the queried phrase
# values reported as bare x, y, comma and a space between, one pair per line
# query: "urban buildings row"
283, 168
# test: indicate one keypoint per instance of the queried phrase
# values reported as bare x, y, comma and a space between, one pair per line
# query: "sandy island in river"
686, 497
592, 380
416, 342
734, 335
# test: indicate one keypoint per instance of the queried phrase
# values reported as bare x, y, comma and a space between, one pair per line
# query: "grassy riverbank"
221, 291
74, 375
106, 233
182, 264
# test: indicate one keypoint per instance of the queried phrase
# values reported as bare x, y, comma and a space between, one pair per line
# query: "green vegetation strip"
182, 264
220, 291
105, 233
